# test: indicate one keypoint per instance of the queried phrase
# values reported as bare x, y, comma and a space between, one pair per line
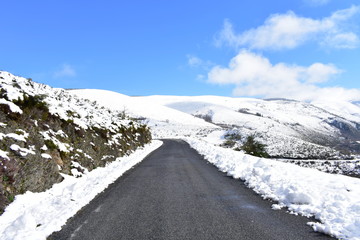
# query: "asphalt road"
175, 194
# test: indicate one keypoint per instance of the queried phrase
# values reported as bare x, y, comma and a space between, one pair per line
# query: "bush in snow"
206, 117
232, 139
253, 147
28, 102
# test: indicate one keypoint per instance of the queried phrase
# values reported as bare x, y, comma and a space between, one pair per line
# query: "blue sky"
298, 49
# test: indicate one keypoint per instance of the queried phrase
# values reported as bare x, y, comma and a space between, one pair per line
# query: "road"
175, 194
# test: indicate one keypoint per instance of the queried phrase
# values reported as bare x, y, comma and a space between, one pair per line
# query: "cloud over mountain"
254, 75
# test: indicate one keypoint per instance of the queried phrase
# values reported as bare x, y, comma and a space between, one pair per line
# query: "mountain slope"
164, 122
291, 129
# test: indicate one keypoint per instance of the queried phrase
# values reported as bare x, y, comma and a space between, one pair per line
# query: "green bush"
229, 144
253, 147
50, 145
29, 102
232, 139
234, 136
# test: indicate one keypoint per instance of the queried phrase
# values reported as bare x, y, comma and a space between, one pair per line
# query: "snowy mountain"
289, 128
164, 121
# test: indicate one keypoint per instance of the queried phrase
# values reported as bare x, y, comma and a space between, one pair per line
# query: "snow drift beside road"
332, 199
37, 215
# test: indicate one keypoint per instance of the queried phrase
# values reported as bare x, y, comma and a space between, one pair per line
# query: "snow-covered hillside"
290, 128
47, 132
165, 122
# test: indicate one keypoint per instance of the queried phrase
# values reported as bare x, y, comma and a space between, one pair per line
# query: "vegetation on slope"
47, 132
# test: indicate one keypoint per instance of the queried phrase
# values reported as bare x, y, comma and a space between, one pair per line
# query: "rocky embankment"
47, 132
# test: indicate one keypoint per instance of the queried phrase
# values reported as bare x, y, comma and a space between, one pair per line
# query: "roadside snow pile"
37, 215
332, 199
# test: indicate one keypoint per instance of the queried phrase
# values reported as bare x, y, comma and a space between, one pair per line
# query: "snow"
22, 151
13, 108
46, 156
4, 154
283, 125
138, 107
332, 199
44, 148
345, 167
16, 137
346, 109
50, 135
61, 103
37, 215
78, 170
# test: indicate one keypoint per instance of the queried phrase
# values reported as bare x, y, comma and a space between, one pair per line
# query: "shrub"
50, 145
101, 131
29, 102
206, 117
3, 93
253, 147
233, 136
229, 144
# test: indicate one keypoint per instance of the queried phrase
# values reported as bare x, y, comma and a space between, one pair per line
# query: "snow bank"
37, 215
332, 199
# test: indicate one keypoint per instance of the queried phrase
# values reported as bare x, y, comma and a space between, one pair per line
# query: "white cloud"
194, 61
254, 75
342, 40
287, 31
66, 71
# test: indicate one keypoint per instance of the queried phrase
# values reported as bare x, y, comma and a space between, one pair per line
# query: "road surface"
175, 194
